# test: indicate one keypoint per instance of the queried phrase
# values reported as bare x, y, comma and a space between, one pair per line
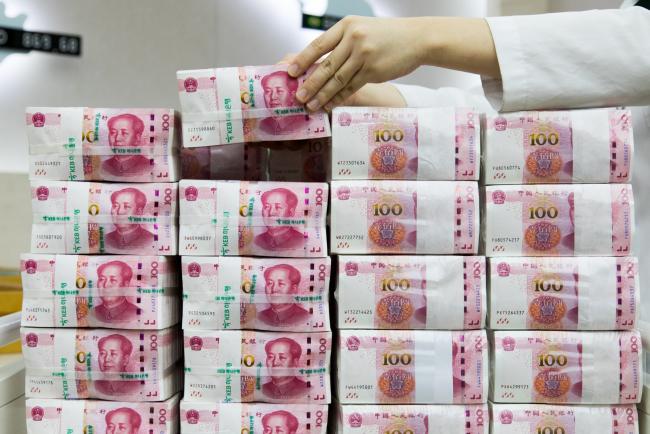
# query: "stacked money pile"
405, 183
564, 294
255, 268
101, 350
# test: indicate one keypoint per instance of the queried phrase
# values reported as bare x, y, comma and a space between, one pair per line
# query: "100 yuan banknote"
565, 419
559, 220
127, 292
412, 367
100, 144
300, 160
596, 293
245, 104
547, 147
207, 417
404, 217
62, 416
232, 218
233, 292
411, 292
253, 366
413, 419
86, 217
434, 144
558, 367
125, 365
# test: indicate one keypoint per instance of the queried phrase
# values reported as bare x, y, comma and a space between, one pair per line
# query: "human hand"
362, 50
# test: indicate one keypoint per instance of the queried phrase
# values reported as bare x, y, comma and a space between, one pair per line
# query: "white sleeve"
571, 60
418, 96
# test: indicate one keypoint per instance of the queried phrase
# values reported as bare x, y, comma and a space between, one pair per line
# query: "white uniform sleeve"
571, 60
418, 96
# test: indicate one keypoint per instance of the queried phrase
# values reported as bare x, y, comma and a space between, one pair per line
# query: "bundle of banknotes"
235, 418
404, 217
69, 416
434, 144
412, 367
233, 218
413, 419
102, 144
596, 293
233, 292
254, 366
291, 160
563, 419
245, 104
411, 292
127, 292
85, 217
558, 367
547, 147
125, 365
559, 220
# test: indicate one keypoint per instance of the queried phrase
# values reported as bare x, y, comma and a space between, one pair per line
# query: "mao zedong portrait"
114, 355
123, 420
124, 135
125, 203
113, 278
280, 93
281, 284
282, 360
280, 422
279, 205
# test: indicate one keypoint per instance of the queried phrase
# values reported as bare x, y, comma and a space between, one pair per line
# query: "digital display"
24, 40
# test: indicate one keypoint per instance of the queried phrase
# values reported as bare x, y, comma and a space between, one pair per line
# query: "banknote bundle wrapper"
125, 292
103, 144
559, 220
411, 292
237, 418
412, 367
227, 366
124, 365
245, 104
233, 218
234, 292
413, 419
548, 147
568, 419
87, 217
290, 160
70, 416
404, 217
585, 293
560, 367
433, 144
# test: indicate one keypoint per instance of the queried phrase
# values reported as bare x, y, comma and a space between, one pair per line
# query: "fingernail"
293, 70
313, 104
327, 107
301, 95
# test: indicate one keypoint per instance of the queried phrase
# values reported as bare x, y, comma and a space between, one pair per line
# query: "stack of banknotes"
91, 217
102, 300
290, 160
120, 292
102, 144
275, 294
56, 416
245, 104
564, 290
240, 218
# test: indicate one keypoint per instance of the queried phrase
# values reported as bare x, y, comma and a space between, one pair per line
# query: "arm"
571, 60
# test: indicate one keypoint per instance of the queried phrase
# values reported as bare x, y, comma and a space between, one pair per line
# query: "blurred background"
130, 53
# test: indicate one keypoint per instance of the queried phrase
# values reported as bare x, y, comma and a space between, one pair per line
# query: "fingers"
336, 83
316, 49
352, 87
